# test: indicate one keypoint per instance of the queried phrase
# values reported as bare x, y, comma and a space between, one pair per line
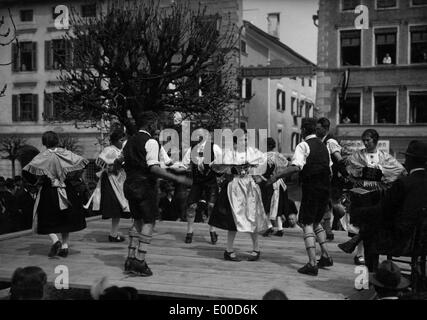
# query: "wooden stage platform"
194, 271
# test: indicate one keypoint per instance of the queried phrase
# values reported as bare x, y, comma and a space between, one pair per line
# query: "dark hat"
388, 276
416, 149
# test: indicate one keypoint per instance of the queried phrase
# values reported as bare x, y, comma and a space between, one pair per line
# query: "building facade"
277, 103
29, 107
379, 49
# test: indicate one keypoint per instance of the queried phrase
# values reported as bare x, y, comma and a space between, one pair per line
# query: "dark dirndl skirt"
222, 216
110, 206
50, 219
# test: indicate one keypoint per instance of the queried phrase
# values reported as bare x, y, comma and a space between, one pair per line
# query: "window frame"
339, 47
347, 10
373, 106
17, 65
353, 92
412, 5
390, 8
245, 46
17, 107
26, 10
410, 42
408, 99
374, 46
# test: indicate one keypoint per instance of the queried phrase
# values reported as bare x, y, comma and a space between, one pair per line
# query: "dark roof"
276, 41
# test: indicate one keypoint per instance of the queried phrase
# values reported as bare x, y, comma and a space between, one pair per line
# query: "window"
280, 100
246, 88
302, 82
53, 106
418, 44
24, 59
385, 107
89, 10
243, 46
301, 108
385, 46
57, 53
310, 82
349, 5
309, 110
386, 4
419, 2
293, 105
295, 139
350, 109
273, 24
350, 48
418, 107
24, 107
279, 140
26, 15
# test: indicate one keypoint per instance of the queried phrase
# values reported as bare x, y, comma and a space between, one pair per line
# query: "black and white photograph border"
187, 150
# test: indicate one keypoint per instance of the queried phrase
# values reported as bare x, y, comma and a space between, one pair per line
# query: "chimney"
274, 24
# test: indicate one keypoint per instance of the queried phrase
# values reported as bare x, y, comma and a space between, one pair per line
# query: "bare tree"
69, 142
10, 149
137, 56
6, 38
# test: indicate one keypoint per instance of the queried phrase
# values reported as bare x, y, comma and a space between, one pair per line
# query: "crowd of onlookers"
30, 283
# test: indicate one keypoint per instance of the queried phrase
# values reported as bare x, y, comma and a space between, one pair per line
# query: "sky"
296, 24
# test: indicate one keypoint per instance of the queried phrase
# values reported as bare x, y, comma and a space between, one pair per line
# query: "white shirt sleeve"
152, 149
186, 160
333, 146
300, 156
163, 156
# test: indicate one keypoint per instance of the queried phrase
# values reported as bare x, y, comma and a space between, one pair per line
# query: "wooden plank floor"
182, 270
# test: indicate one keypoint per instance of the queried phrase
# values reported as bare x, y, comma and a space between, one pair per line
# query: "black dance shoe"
278, 233
325, 262
138, 268
359, 261
214, 237
254, 256
189, 238
228, 256
54, 249
330, 236
309, 269
117, 238
350, 245
127, 264
63, 253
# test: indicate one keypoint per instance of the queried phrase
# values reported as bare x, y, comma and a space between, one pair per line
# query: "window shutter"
15, 108
15, 57
34, 55
248, 88
48, 55
48, 110
283, 96
35, 107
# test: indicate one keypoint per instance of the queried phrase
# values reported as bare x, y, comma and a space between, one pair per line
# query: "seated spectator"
168, 207
388, 281
292, 222
25, 198
28, 284
275, 294
102, 290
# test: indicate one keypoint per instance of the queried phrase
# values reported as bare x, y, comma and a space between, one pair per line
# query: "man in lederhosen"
142, 166
338, 170
311, 159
